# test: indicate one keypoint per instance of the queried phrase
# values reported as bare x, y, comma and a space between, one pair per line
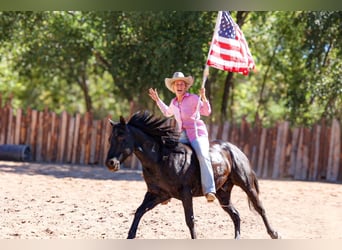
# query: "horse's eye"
121, 139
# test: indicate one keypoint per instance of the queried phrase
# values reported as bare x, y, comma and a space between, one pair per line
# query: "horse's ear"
122, 120
111, 122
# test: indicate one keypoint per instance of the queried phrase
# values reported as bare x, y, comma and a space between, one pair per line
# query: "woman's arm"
166, 110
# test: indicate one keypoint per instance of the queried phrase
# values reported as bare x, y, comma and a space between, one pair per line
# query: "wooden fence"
283, 152
63, 138
278, 152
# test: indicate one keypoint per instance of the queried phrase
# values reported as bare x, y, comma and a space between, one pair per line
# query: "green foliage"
105, 61
298, 65
314, 68
146, 47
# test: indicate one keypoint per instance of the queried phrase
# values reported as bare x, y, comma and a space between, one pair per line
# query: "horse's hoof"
276, 235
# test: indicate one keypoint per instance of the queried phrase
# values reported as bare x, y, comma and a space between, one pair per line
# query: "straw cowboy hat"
189, 80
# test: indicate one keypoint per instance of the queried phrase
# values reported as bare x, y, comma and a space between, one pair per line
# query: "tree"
307, 58
142, 48
54, 49
104, 62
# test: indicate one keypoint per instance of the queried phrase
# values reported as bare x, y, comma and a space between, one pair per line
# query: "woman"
186, 109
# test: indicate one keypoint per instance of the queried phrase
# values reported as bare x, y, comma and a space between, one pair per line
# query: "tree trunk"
82, 82
261, 101
224, 103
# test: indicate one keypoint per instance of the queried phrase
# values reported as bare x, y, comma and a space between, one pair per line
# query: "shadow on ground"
69, 171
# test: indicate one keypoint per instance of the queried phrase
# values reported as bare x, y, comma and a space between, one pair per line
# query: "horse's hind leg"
223, 195
252, 193
149, 202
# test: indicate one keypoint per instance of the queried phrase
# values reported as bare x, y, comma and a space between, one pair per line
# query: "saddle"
181, 155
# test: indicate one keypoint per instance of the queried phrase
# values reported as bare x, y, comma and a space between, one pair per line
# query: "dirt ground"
51, 201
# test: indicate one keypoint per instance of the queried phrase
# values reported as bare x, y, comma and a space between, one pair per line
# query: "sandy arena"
51, 201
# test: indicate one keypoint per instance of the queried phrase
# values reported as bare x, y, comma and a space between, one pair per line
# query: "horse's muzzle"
113, 164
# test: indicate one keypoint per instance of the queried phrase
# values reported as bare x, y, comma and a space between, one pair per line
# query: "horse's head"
121, 144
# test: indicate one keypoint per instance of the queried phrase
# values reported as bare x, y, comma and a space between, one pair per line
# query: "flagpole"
206, 68
205, 75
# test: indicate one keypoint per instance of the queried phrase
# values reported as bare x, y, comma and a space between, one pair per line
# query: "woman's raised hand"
153, 94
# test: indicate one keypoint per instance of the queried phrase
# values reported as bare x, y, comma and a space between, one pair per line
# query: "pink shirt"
187, 114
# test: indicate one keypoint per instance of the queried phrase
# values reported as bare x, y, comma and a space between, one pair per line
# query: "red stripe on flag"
226, 57
225, 45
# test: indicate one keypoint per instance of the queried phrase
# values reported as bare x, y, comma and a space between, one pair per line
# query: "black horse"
171, 169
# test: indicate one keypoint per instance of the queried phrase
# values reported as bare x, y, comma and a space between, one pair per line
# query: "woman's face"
179, 87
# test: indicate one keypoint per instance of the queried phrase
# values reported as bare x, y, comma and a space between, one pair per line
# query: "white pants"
201, 147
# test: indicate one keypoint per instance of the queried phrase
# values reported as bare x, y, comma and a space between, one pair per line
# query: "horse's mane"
159, 128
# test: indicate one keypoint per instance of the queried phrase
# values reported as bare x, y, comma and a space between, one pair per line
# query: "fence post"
9, 126
334, 152
70, 139
62, 137
75, 139
17, 127
40, 142
33, 134
261, 161
293, 152
93, 142
279, 158
317, 133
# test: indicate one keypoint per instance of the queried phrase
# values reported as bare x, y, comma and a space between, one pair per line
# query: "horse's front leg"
149, 202
189, 213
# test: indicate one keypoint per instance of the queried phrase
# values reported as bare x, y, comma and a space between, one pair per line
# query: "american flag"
229, 50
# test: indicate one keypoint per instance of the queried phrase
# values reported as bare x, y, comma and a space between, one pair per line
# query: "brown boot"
210, 197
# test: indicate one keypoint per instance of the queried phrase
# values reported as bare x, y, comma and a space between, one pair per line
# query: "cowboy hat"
189, 80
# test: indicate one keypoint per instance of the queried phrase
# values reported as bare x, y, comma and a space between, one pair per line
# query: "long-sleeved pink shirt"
187, 114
